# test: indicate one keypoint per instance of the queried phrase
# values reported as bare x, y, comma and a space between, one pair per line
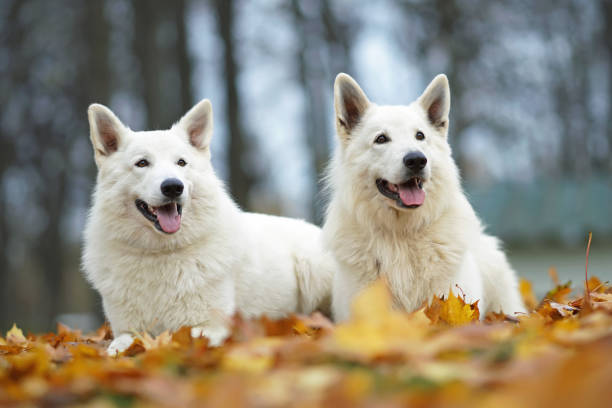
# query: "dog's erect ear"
350, 103
198, 123
436, 101
106, 130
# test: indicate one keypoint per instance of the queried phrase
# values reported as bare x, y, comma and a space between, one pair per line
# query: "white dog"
166, 246
397, 209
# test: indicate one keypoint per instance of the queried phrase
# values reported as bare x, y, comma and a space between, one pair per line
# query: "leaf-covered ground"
557, 355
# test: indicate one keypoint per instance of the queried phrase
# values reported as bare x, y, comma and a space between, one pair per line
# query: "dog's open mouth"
409, 194
166, 218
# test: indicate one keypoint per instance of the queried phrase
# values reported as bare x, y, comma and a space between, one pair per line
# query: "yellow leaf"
373, 303
595, 285
527, 294
455, 311
254, 357
15, 335
375, 328
84, 351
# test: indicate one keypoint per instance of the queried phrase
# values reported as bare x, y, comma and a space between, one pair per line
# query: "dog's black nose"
172, 188
415, 161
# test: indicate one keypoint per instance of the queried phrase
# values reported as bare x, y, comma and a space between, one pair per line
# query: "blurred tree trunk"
183, 56
239, 179
315, 118
97, 72
5, 272
323, 51
572, 91
146, 21
461, 50
50, 245
606, 40
96, 30
447, 31
91, 34
161, 48
11, 35
6, 281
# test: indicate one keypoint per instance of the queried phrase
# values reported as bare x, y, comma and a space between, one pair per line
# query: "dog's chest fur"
415, 267
159, 291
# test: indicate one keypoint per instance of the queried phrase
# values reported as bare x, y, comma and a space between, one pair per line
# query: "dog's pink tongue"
169, 218
411, 194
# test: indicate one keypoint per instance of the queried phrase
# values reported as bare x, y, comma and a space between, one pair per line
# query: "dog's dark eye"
380, 139
420, 135
181, 163
142, 163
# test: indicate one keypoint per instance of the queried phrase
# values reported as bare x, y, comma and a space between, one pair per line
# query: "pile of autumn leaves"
437, 356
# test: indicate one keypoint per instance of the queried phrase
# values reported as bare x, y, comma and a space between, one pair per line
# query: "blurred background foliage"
532, 96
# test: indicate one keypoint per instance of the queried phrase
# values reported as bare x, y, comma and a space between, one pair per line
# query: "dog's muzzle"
166, 218
408, 194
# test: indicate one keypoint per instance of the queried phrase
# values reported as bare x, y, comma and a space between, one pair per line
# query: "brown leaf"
182, 336
135, 348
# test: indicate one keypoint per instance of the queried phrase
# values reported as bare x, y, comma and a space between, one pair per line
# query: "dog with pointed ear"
435, 101
166, 246
106, 131
198, 124
397, 209
350, 104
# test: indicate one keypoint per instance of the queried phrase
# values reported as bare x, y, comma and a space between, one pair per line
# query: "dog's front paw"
119, 344
215, 336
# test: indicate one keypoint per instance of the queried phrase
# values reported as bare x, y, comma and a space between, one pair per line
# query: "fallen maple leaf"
453, 310
15, 336
527, 294
560, 293
253, 357
135, 348
381, 357
373, 303
164, 339
595, 285
182, 336
375, 329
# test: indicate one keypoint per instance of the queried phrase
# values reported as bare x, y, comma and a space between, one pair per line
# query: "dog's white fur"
420, 252
221, 260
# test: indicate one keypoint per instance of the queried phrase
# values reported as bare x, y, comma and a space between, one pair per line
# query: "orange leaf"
135, 348
162, 340
560, 292
552, 272
182, 336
